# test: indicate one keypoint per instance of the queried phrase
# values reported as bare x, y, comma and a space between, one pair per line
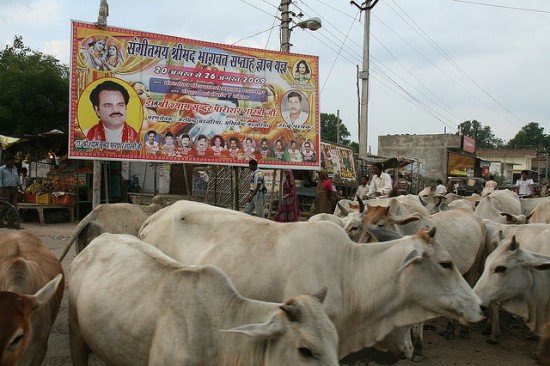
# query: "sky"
434, 63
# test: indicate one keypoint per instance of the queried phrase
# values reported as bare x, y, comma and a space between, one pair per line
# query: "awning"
7, 141
389, 162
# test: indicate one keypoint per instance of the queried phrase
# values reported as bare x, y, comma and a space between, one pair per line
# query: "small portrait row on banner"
182, 145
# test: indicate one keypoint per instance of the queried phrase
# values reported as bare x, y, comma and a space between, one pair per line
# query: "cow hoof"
417, 358
492, 341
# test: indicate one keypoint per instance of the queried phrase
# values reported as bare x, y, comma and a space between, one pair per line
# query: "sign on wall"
460, 165
151, 97
338, 162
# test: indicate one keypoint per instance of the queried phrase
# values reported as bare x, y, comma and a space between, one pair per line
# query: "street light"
311, 24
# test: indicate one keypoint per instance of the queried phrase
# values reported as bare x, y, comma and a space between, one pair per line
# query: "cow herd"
193, 284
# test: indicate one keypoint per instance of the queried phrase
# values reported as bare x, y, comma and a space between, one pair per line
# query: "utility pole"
285, 22
338, 126
364, 76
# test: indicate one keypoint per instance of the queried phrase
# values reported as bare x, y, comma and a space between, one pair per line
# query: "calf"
31, 289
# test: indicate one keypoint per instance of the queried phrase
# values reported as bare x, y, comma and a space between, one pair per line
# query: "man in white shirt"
524, 185
380, 183
363, 189
295, 117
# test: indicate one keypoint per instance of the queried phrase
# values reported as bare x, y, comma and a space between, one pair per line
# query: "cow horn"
514, 244
342, 209
361, 204
431, 233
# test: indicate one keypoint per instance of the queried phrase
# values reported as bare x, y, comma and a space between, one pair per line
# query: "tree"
484, 136
531, 136
34, 91
329, 122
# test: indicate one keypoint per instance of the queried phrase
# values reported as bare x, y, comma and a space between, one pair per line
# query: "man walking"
9, 181
255, 199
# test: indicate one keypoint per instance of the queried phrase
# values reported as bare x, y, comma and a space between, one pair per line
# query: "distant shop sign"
469, 144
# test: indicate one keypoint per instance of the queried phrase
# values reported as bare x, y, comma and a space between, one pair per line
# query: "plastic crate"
43, 199
67, 200
29, 197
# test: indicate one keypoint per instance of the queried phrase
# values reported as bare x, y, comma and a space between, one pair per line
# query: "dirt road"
516, 345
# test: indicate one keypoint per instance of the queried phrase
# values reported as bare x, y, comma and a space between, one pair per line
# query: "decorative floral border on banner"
149, 97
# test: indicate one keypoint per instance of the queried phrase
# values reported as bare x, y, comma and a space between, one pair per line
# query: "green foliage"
485, 138
329, 124
531, 136
354, 146
34, 87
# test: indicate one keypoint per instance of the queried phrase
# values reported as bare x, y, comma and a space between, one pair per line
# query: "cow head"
15, 320
299, 333
514, 219
508, 276
443, 291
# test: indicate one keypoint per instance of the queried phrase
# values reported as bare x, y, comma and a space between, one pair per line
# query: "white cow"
372, 288
114, 218
541, 214
327, 217
132, 305
519, 280
461, 204
529, 204
501, 206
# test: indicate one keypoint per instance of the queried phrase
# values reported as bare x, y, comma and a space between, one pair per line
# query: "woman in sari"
323, 194
288, 210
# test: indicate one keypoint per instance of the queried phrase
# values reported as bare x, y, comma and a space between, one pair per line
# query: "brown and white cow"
373, 289
31, 289
131, 304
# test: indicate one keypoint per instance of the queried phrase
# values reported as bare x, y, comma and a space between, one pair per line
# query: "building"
520, 159
438, 156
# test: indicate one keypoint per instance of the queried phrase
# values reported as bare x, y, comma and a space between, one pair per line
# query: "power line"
502, 6
446, 56
254, 35
254, 6
339, 50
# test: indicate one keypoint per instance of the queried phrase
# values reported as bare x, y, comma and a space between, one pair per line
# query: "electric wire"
502, 6
254, 35
449, 59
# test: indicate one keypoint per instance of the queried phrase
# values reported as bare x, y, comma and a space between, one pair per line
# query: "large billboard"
338, 162
151, 97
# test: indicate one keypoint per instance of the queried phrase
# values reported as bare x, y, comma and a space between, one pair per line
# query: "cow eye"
380, 223
446, 265
500, 269
306, 352
15, 342
354, 228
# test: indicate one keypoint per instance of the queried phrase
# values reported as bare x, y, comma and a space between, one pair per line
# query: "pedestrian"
255, 199
489, 187
363, 189
288, 209
9, 181
323, 194
524, 185
440, 189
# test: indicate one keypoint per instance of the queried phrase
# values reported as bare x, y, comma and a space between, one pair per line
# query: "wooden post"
106, 185
96, 184
272, 194
236, 204
186, 181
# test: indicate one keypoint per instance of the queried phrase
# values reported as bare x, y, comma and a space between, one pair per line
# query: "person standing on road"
288, 210
524, 185
255, 199
9, 181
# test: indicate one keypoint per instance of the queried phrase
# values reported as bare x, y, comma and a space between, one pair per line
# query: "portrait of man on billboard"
296, 112
110, 101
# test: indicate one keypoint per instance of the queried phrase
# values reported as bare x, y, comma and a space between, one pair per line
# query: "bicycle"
9, 215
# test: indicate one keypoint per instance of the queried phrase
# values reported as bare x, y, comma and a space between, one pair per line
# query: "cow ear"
405, 219
414, 256
513, 219
537, 262
321, 294
292, 311
271, 329
46, 293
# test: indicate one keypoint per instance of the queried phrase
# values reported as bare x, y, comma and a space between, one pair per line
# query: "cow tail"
76, 232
